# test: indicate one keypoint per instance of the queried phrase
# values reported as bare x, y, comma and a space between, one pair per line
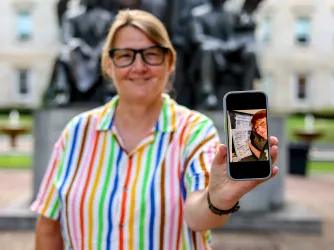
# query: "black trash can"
298, 157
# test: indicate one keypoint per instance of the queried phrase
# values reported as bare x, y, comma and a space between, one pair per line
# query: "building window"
23, 85
24, 25
301, 87
332, 92
265, 27
267, 86
303, 27
23, 75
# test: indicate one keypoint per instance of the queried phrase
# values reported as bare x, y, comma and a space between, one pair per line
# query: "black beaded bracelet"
218, 211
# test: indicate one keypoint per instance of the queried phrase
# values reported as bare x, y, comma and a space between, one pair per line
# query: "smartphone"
247, 135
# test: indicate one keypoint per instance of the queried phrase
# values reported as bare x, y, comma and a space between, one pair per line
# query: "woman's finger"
273, 141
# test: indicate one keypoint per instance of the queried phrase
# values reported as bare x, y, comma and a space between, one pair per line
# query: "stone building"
296, 53
29, 44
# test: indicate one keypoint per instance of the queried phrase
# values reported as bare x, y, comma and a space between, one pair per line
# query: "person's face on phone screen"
261, 127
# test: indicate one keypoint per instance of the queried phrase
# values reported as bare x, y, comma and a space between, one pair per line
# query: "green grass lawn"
326, 126
15, 161
25, 162
319, 166
293, 123
26, 120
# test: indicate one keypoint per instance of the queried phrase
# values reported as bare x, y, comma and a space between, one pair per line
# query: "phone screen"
247, 135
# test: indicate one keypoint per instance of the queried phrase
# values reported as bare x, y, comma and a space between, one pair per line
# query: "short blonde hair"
144, 21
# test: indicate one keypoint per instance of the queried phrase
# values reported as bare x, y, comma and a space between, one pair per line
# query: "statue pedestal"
48, 124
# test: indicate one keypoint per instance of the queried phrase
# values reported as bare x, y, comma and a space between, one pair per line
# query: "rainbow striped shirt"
106, 198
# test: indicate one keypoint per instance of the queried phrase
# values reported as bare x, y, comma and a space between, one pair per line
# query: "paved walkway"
316, 192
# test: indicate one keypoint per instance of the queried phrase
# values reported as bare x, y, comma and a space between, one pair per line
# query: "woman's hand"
48, 234
255, 151
224, 192
249, 142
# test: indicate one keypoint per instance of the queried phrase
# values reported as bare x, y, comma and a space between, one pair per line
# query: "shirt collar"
166, 121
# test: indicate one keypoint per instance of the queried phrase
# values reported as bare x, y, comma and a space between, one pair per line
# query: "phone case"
227, 134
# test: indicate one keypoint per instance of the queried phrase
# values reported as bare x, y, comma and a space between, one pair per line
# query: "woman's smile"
140, 80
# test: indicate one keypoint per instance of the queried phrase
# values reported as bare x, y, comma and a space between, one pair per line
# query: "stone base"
292, 218
17, 219
48, 125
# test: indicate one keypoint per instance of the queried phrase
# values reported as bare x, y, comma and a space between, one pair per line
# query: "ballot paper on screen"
242, 121
240, 141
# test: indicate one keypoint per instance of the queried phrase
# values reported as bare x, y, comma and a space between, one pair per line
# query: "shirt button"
121, 226
125, 188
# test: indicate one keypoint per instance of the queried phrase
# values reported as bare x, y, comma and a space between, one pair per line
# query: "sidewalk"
316, 192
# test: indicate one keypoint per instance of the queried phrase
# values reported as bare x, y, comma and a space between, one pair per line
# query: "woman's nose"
139, 64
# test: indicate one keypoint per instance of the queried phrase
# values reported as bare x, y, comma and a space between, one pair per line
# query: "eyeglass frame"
140, 51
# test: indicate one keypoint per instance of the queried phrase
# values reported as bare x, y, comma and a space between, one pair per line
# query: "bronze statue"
178, 26
61, 9
77, 75
156, 7
212, 43
224, 57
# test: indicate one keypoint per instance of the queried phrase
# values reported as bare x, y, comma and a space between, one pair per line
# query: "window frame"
307, 97
332, 91
20, 19
265, 28
19, 96
267, 85
305, 38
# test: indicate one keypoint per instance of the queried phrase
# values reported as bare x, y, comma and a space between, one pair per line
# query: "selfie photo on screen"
248, 135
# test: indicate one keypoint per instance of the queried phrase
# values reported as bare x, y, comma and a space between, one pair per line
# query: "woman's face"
138, 82
261, 127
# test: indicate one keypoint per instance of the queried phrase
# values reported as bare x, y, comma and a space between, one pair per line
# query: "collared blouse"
107, 198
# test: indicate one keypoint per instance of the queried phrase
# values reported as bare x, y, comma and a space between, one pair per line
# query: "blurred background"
283, 47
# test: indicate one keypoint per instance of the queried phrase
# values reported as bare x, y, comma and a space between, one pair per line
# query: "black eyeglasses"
124, 57
262, 124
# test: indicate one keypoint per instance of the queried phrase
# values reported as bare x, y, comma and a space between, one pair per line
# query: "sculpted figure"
224, 57
77, 76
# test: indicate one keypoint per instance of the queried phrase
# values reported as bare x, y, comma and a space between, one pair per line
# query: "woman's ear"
170, 63
109, 68
171, 70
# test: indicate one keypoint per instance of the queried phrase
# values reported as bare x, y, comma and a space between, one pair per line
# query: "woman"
259, 146
134, 174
